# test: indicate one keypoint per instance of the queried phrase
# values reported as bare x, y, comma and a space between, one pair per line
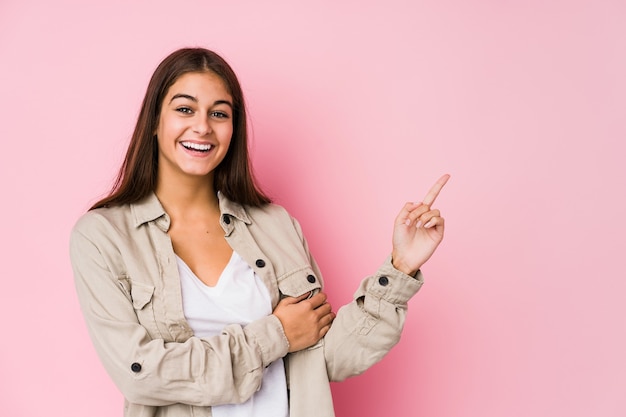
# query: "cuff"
270, 337
392, 285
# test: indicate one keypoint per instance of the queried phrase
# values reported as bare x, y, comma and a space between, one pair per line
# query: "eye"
219, 115
184, 110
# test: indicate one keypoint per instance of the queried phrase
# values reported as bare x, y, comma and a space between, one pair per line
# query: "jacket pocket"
298, 282
141, 296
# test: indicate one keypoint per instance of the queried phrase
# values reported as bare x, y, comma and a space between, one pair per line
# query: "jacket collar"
150, 209
233, 209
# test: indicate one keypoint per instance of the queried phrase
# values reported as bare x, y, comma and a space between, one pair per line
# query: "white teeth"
196, 146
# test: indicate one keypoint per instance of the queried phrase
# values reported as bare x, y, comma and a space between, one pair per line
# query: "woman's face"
195, 125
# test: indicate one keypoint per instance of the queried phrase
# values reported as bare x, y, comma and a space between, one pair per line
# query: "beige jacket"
129, 290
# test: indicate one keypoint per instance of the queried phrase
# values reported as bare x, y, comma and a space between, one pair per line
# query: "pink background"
357, 107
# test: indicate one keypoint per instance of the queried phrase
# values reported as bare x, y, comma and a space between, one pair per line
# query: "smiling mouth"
197, 146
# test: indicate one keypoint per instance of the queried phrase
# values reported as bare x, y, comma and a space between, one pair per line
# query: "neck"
185, 196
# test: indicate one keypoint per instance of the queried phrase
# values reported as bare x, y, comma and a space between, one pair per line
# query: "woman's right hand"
305, 320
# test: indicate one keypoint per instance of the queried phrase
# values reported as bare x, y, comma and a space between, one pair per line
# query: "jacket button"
226, 219
311, 279
260, 263
383, 281
135, 367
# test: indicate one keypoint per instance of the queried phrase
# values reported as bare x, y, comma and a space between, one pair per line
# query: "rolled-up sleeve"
223, 369
367, 328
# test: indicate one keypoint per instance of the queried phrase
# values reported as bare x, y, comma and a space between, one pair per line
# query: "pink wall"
356, 107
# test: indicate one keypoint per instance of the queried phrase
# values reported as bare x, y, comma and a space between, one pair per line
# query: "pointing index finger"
434, 191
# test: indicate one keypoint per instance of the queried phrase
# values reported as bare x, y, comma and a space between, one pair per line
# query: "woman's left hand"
417, 232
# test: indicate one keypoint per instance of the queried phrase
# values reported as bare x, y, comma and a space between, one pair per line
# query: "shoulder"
276, 221
270, 220
264, 214
270, 210
99, 222
272, 213
122, 218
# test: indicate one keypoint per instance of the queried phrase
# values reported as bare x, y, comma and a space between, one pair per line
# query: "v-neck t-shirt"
239, 297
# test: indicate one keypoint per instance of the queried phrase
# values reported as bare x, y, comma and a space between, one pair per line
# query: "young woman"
201, 296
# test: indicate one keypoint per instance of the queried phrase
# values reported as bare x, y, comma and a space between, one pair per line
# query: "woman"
201, 296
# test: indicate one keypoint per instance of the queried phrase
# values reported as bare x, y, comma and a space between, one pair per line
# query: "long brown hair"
138, 174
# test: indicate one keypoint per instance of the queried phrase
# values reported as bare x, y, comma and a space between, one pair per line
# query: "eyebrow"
195, 100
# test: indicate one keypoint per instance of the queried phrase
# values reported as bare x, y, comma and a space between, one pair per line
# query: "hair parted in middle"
137, 176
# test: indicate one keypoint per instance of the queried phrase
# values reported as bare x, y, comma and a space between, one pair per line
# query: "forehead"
200, 85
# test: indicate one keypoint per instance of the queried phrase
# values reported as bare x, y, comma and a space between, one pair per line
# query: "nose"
201, 124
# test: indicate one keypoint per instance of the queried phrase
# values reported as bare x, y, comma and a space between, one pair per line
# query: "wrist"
403, 267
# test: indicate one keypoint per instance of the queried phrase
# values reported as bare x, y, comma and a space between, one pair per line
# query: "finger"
404, 216
327, 320
434, 191
323, 310
416, 215
435, 221
317, 300
408, 213
294, 300
324, 330
425, 218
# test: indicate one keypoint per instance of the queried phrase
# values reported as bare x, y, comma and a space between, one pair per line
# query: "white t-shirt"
239, 297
